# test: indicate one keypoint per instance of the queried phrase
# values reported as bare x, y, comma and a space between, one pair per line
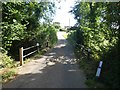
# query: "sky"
62, 13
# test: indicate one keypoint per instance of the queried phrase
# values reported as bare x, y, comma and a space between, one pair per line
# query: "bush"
46, 36
111, 63
6, 61
52, 35
110, 71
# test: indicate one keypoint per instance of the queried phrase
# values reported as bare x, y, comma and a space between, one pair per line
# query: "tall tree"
21, 19
100, 24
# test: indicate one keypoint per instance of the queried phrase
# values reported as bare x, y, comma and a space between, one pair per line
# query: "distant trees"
57, 25
99, 25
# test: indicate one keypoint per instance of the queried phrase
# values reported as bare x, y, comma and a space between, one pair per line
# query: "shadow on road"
64, 74
62, 53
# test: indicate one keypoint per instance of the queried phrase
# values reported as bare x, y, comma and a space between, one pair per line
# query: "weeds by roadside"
89, 66
8, 74
8, 67
65, 35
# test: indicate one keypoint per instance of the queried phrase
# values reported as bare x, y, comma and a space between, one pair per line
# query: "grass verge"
8, 74
88, 66
65, 35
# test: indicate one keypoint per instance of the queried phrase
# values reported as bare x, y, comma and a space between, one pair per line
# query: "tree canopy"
26, 23
99, 30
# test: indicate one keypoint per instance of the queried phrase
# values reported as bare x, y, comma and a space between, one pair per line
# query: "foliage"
23, 25
21, 19
26, 23
57, 25
52, 35
98, 29
46, 34
6, 61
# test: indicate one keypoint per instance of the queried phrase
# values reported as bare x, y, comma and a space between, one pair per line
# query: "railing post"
37, 47
21, 56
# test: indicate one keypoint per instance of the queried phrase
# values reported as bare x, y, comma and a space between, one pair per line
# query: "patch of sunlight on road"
60, 46
37, 72
52, 53
72, 70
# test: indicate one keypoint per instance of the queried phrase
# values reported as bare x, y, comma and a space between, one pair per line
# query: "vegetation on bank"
98, 30
23, 25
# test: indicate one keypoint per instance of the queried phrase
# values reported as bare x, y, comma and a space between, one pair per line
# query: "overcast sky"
62, 13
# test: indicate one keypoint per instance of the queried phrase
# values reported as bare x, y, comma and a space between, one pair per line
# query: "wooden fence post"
21, 56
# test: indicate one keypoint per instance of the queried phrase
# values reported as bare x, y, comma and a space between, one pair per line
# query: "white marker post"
99, 69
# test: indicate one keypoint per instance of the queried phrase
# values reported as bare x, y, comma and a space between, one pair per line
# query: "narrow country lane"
39, 74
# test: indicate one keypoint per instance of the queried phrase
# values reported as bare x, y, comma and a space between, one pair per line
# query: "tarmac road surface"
56, 69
